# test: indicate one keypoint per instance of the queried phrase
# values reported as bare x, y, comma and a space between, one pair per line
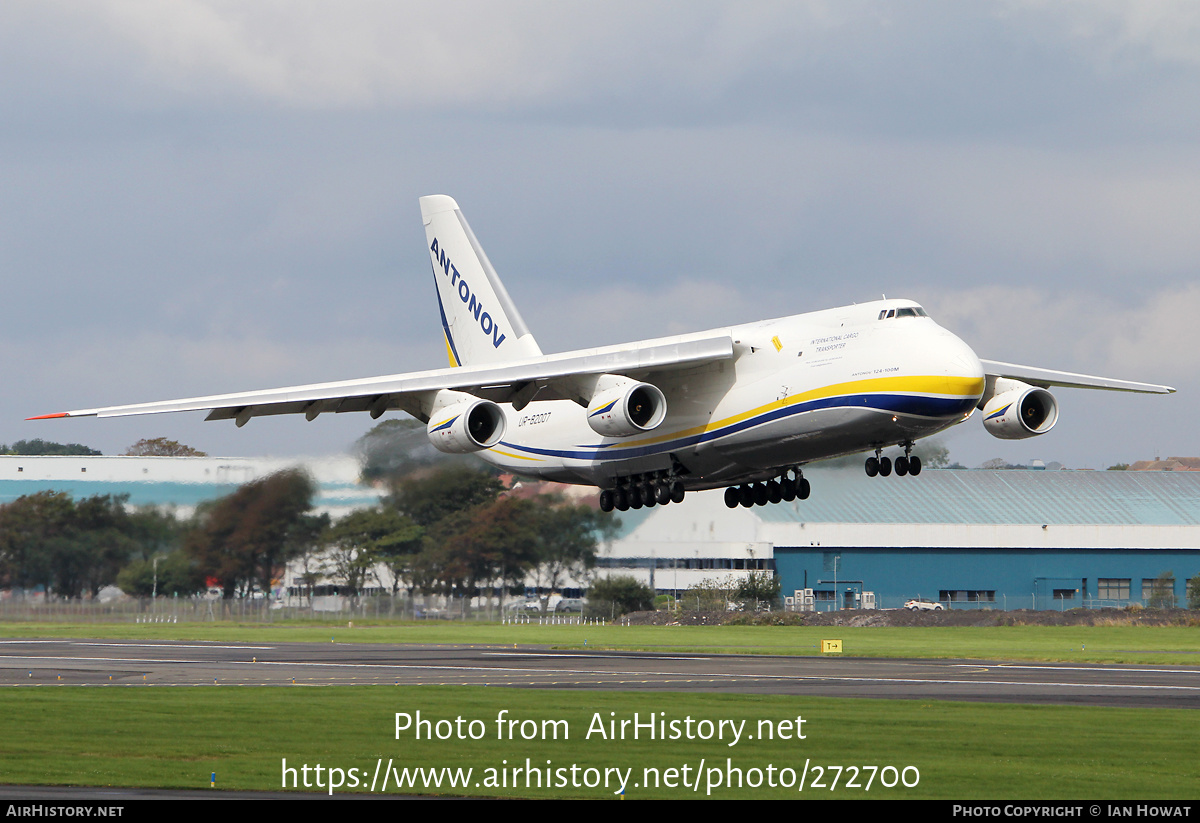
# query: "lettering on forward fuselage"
489, 326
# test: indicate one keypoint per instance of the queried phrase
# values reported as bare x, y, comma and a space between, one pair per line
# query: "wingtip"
49, 416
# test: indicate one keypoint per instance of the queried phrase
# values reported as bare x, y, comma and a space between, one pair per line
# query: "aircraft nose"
959, 363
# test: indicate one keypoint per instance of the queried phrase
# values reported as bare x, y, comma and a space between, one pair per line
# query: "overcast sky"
200, 197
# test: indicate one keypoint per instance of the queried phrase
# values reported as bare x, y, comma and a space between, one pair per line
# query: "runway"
111, 663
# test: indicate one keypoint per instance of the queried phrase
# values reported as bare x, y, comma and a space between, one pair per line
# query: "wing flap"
1046, 378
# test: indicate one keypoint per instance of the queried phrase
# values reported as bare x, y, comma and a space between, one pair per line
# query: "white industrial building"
179, 482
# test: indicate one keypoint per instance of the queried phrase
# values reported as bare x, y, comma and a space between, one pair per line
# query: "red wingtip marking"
48, 416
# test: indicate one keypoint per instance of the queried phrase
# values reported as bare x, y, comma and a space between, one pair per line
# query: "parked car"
923, 606
523, 606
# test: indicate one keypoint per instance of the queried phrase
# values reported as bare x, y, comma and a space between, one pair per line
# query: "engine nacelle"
1017, 411
470, 425
621, 407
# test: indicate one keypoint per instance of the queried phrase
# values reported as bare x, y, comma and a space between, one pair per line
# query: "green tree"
97, 546
398, 550
758, 589
617, 595
709, 595
155, 531
363, 538
69, 547
492, 542
1162, 592
244, 539
566, 539
29, 526
37, 446
1193, 592
176, 575
162, 447
432, 496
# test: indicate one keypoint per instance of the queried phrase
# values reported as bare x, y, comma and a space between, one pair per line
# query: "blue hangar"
966, 538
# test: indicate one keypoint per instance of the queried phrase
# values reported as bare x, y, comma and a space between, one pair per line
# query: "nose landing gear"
909, 463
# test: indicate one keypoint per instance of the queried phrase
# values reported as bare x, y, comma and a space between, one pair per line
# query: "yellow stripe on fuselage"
514, 456
924, 384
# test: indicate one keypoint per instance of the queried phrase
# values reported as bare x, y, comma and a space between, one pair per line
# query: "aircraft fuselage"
800, 388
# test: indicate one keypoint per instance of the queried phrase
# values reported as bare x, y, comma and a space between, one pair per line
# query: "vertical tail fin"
480, 321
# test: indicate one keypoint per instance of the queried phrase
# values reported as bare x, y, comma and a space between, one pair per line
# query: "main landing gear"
773, 491
908, 464
642, 490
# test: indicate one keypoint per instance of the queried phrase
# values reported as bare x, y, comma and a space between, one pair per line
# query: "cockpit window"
907, 311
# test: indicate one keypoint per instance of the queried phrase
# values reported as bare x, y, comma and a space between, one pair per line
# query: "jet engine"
470, 425
621, 407
1017, 410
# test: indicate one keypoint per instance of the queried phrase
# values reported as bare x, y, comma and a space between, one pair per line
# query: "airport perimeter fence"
252, 610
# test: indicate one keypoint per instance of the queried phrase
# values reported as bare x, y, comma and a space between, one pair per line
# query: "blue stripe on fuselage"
910, 405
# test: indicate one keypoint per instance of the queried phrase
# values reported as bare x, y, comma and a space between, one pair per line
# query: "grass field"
1096, 644
178, 737
164, 737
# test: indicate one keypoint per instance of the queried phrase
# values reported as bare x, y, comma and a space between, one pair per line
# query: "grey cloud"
210, 196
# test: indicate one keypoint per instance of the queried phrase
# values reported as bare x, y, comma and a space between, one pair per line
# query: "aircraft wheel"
872, 466
635, 499
803, 488
621, 500
649, 494
746, 495
788, 489
606, 501
677, 492
732, 498
901, 466
885, 466
774, 492
761, 497
914, 465
663, 493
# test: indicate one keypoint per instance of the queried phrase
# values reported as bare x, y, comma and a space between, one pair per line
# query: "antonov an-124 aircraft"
741, 408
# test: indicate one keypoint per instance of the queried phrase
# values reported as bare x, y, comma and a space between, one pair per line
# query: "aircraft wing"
1046, 378
549, 377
